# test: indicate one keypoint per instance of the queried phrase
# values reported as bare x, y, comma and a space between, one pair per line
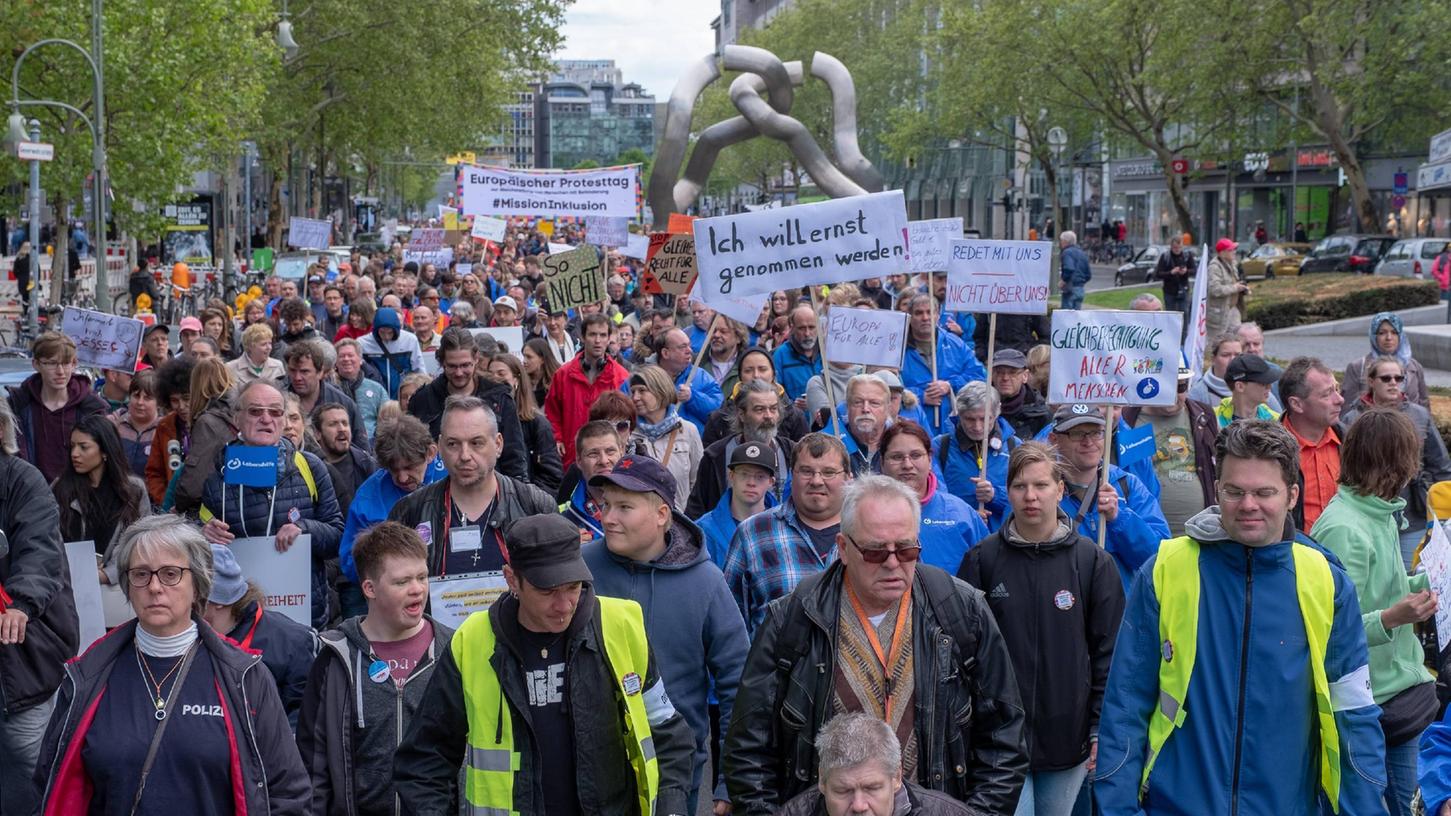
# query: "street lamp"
96, 124
16, 133
284, 35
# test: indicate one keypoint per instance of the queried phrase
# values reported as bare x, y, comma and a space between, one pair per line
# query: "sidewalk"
1340, 341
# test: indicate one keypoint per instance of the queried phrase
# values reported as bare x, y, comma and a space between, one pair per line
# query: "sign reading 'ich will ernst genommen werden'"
845, 239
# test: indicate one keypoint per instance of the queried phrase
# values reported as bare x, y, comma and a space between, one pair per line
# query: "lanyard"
448, 521
256, 622
242, 514
888, 660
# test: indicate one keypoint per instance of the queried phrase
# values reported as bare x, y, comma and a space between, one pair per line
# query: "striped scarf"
859, 680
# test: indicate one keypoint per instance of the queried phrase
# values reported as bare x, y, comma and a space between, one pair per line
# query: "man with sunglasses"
1183, 457
1249, 379
1240, 679
882, 634
773, 551
302, 501
1135, 524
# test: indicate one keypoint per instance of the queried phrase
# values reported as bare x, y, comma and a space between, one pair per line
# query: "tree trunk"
1050, 176
1176, 195
62, 277
1366, 216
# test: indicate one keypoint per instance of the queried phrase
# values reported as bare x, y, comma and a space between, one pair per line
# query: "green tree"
1369, 74
586, 164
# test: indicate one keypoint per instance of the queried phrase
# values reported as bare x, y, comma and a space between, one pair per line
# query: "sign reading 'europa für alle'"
826, 242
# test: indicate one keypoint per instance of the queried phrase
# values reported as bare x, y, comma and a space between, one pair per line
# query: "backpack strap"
302, 467
952, 613
943, 440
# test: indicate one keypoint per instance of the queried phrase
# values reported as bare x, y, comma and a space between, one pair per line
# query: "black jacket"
287, 648
1058, 605
1020, 332
920, 802
273, 780
34, 574
968, 718
1174, 285
545, 470
351, 471
427, 404
1031, 416
350, 726
514, 501
793, 426
1204, 427
712, 481
427, 763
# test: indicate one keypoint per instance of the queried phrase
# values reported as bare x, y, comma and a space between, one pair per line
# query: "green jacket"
1363, 532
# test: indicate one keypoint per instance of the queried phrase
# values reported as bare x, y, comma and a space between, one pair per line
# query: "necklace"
158, 700
544, 650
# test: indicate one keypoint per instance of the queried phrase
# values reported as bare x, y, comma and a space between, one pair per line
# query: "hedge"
1368, 300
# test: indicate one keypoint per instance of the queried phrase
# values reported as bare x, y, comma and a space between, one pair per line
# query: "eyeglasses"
811, 474
169, 576
624, 426
56, 365
259, 411
879, 555
1080, 436
1390, 378
899, 458
1230, 493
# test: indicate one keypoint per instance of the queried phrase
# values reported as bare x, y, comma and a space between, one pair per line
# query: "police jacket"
425, 506
1058, 604
969, 719
426, 764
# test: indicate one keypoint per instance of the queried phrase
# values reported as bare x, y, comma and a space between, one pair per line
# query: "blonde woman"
257, 362
660, 430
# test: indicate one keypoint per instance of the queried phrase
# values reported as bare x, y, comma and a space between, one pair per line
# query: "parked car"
369, 242
1274, 259
1411, 257
1347, 253
1140, 268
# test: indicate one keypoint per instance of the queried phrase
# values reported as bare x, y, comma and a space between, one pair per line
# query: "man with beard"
868, 398
350, 465
756, 420
1022, 406
799, 358
726, 339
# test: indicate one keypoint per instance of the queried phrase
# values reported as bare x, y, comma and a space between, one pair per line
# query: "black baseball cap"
754, 453
1011, 358
1071, 416
155, 327
545, 551
1251, 368
641, 474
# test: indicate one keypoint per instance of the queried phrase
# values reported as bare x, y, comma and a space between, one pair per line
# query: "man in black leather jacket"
951, 698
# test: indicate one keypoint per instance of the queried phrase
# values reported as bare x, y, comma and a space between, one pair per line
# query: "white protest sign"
451, 600
1006, 277
510, 337
86, 589
636, 246
606, 231
550, 193
845, 239
555, 249
103, 340
742, 309
874, 337
426, 239
309, 233
489, 229
1105, 357
462, 269
929, 241
285, 577
438, 257
390, 231
1436, 558
1198, 317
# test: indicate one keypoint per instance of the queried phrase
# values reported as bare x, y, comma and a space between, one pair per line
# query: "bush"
1371, 296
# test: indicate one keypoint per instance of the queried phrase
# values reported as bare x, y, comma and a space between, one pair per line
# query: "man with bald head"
697, 392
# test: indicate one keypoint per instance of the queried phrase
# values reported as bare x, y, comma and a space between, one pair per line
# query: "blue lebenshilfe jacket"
956, 364
950, 527
1143, 468
1134, 535
1251, 700
957, 468
1435, 773
793, 370
720, 526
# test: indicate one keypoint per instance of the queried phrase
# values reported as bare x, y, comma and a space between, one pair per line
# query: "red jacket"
570, 396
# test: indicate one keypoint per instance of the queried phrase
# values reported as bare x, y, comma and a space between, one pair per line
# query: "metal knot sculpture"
763, 93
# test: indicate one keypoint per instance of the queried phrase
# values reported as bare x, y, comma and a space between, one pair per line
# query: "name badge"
465, 539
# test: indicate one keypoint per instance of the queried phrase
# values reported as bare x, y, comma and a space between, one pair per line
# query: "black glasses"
169, 576
879, 555
1390, 378
623, 426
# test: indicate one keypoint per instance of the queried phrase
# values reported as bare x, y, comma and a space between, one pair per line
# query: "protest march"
546, 505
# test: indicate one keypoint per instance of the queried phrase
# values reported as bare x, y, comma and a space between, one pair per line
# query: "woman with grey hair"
859, 770
958, 454
163, 713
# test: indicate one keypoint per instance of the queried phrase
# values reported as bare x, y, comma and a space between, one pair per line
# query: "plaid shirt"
770, 553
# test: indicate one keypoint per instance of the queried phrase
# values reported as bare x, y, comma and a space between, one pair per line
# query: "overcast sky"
650, 40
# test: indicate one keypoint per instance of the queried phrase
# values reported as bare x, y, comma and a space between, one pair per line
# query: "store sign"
1440, 147
1433, 176
1255, 162
1142, 169
1317, 157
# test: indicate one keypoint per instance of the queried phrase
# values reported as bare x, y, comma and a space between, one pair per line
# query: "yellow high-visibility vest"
492, 761
1176, 584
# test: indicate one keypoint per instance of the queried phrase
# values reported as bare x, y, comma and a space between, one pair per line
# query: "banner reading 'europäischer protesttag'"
609, 192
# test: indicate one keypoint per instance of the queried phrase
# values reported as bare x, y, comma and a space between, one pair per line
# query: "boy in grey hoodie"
369, 678
657, 557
